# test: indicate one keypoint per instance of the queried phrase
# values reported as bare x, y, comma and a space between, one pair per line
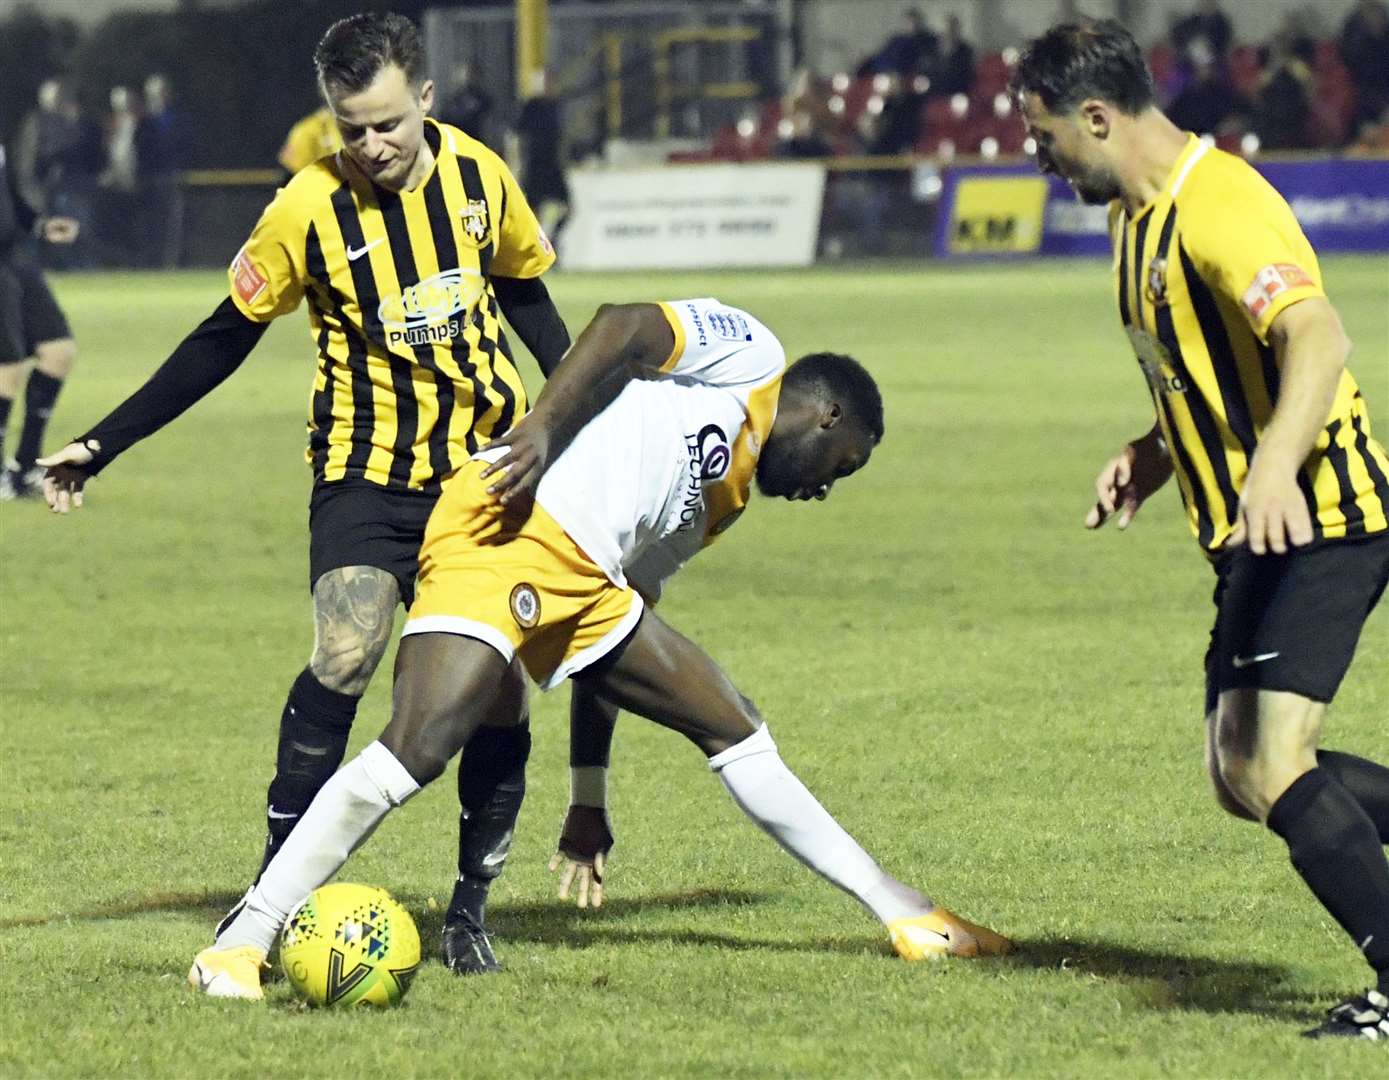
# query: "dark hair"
353, 50
1087, 59
833, 376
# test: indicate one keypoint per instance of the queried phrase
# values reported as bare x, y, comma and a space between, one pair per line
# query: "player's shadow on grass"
1171, 980
212, 905
555, 922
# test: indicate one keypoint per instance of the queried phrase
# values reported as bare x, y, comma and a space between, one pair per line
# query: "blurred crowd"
927, 90
122, 164
118, 163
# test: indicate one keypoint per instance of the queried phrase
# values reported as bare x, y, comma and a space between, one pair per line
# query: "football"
350, 945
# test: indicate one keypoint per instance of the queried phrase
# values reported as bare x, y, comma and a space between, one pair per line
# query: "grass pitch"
1004, 708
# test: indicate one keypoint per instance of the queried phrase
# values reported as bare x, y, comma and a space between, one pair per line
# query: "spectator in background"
158, 159
68, 156
538, 148
953, 71
44, 138
313, 137
467, 106
1207, 23
1373, 137
805, 140
119, 173
910, 52
1282, 104
1364, 48
891, 126
1207, 102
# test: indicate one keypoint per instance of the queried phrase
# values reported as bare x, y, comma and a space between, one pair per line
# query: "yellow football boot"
229, 973
939, 934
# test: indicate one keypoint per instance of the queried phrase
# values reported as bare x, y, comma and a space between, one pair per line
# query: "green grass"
1003, 708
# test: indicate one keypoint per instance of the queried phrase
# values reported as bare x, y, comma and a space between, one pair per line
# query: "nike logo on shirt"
353, 254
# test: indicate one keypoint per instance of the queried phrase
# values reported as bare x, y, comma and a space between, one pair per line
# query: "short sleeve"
1246, 244
267, 275
523, 250
721, 345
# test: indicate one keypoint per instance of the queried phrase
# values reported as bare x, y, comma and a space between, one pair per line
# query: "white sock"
341, 817
769, 793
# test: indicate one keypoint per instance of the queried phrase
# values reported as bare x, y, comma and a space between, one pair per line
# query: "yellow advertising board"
997, 215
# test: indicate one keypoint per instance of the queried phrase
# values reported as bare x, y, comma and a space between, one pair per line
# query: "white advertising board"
693, 216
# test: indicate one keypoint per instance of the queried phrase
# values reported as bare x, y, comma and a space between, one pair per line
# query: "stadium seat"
1162, 60
1326, 55
1245, 70
990, 76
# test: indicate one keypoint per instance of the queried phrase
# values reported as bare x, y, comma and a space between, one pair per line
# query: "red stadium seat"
1326, 55
1245, 70
1162, 60
991, 76
856, 99
728, 145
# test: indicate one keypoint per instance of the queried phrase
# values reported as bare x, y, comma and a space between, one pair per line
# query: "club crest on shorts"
525, 606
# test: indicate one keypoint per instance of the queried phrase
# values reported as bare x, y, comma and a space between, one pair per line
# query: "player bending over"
526, 565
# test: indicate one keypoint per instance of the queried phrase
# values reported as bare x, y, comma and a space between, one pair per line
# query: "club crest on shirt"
1156, 290
525, 606
476, 226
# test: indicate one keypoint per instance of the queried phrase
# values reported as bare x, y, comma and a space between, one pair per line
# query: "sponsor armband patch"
247, 279
1270, 283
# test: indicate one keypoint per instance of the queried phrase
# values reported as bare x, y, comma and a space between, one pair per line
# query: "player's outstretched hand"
66, 476
584, 843
1273, 514
1127, 480
518, 471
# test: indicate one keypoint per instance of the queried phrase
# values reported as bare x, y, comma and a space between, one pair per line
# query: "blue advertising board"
1341, 203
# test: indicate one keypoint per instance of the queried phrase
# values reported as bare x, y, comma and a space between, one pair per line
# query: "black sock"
491, 788
1335, 848
6, 404
39, 397
313, 738
1367, 781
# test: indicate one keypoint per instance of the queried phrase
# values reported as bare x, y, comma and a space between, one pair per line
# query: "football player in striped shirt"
1267, 435
407, 246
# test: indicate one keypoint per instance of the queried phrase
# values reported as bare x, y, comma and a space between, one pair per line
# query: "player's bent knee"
57, 357
12, 377
345, 670
1227, 800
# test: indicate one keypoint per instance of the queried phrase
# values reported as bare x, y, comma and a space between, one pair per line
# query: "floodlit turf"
1003, 708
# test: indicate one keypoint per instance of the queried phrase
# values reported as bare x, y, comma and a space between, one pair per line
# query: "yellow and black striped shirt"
414, 371
1202, 271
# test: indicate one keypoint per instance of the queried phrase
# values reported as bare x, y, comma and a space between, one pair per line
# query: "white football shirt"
669, 465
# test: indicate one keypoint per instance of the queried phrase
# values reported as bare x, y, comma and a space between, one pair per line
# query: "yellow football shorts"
513, 578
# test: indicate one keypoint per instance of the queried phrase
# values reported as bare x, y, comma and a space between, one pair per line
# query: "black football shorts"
358, 523
1291, 622
29, 313
11, 319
